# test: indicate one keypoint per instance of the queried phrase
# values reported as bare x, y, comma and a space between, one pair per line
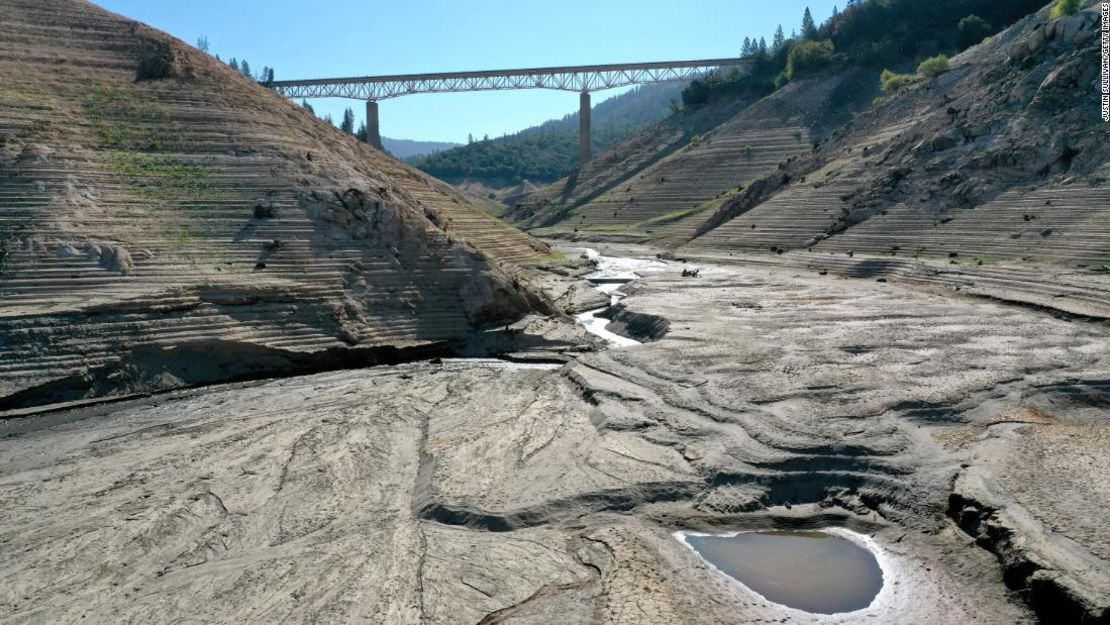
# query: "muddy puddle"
822, 572
611, 274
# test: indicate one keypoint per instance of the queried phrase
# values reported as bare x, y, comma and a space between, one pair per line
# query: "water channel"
611, 274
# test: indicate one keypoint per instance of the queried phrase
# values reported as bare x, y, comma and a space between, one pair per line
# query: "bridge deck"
582, 78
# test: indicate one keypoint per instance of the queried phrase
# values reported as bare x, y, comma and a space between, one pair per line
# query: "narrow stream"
612, 273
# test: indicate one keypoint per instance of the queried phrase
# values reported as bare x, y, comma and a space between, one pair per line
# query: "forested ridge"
549, 151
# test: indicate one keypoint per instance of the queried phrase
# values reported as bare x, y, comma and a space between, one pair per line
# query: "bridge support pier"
583, 129
373, 130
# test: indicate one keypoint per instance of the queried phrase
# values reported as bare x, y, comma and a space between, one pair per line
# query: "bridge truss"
580, 78
583, 78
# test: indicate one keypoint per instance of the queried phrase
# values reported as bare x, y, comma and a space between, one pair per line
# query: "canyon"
252, 370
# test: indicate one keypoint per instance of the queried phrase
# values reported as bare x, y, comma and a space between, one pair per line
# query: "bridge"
583, 79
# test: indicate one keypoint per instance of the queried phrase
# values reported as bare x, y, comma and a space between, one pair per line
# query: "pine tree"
762, 46
308, 107
233, 64
202, 43
348, 124
361, 133
835, 13
746, 47
329, 120
779, 39
246, 69
809, 27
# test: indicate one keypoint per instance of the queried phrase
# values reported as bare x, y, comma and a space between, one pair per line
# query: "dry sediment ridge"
156, 204
444, 494
1058, 291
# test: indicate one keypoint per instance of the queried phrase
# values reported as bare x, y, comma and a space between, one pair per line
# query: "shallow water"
816, 572
612, 273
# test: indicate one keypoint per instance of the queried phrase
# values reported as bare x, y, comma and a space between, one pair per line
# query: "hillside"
792, 97
549, 151
670, 197
167, 221
553, 203
1003, 158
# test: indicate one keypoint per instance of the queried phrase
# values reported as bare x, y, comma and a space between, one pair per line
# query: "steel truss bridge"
582, 79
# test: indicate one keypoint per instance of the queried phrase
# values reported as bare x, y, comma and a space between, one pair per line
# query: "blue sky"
367, 37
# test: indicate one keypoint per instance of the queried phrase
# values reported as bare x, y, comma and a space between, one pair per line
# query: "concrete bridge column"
373, 130
583, 129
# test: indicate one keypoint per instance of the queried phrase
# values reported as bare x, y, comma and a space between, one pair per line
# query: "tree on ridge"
348, 123
809, 27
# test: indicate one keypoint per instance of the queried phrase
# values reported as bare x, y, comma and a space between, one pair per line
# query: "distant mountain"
550, 151
406, 148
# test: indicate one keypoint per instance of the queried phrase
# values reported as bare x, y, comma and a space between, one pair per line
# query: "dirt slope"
554, 203
1004, 158
666, 199
166, 220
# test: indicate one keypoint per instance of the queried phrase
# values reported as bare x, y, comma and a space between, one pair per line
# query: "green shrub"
892, 81
971, 30
781, 80
933, 67
807, 56
1065, 8
696, 94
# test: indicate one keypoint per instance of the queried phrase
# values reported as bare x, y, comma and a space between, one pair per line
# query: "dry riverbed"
460, 493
